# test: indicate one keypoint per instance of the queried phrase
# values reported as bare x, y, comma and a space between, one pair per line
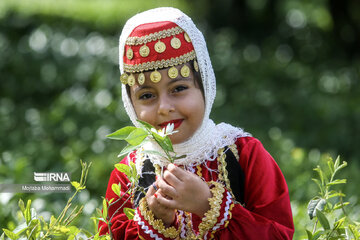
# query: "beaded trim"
133, 41
160, 64
157, 224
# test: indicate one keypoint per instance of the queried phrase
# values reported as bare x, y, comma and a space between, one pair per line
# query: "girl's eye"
145, 96
180, 88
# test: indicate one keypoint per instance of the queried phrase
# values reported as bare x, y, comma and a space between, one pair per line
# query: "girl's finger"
178, 172
171, 179
165, 202
165, 188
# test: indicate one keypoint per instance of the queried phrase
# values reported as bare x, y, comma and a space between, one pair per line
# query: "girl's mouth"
176, 122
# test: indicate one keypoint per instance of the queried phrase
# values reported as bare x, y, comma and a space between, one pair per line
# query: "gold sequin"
146, 66
187, 38
175, 43
196, 66
160, 47
141, 78
124, 78
185, 71
155, 76
173, 72
130, 54
131, 80
144, 51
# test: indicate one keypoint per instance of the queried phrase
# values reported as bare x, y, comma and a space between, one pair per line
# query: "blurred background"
287, 72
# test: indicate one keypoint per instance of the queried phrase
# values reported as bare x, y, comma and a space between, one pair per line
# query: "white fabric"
205, 142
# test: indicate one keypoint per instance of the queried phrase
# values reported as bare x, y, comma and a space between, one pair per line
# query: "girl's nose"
165, 106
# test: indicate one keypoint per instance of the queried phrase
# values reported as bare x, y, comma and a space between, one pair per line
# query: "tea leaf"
122, 133
340, 205
124, 168
105, 210
129, 148
22, 206
315, 204
116, 189
336, 181
10, 234
136, 137
318, 234
323, 220
147, 126
309, 234
27, 212
129, 212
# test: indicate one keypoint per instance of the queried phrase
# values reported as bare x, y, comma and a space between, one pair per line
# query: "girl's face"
179, 101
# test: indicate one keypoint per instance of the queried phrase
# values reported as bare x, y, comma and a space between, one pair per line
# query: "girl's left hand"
183, 190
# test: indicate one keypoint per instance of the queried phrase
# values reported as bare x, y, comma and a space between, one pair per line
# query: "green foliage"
322, 207
35, 227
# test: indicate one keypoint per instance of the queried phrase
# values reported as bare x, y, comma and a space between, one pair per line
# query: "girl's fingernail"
156, 177
155, 195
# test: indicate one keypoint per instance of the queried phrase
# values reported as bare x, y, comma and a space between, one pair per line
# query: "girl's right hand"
167, 215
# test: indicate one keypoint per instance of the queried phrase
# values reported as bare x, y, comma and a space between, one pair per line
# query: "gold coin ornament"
160, 47
131, 80
185, 71
187, 38
173, 72
141, 78
124, 78
129, 54
155, 76
196, 66
144, 51
175, 43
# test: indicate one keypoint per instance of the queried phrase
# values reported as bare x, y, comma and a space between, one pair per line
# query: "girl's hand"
183, 190
160, 211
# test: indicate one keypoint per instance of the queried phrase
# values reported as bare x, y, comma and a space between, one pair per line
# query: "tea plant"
322, 208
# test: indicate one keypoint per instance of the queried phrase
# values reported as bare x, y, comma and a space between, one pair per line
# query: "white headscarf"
205, 142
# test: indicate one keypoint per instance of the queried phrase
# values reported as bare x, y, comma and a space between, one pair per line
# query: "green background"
287, 72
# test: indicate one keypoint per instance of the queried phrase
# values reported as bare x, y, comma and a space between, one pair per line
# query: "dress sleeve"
267, 212
141, 227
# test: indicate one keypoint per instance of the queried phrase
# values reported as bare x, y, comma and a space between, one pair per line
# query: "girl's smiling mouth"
176, 122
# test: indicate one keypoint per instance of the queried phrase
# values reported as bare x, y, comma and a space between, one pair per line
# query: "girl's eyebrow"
141, 88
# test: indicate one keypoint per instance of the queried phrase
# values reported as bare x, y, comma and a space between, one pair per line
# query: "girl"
227, 186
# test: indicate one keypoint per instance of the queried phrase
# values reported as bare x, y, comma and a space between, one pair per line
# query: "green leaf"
321, 174
318, 234
136, 137
10, 234
168, 142
124, 168
317, 203
336, 194
129, 148
354, 231
116, 189
330, 164
105, 209
27, 212
309, 234
323, 220
339, 223
75, 184
336, 181
52, 220
129, 212
122, 133
22, 206
337, 162
340, 205
147, 126
154, 153
133, 169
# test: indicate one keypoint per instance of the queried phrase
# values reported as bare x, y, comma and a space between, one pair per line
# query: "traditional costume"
250, 198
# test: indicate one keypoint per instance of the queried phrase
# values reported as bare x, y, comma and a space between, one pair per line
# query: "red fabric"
266, 215
146, 29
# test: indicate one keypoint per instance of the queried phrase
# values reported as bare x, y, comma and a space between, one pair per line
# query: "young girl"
227, 186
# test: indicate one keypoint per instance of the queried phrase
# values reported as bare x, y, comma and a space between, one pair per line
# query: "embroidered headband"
154, 46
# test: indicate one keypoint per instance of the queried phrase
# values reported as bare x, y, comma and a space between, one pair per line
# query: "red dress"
265, 214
